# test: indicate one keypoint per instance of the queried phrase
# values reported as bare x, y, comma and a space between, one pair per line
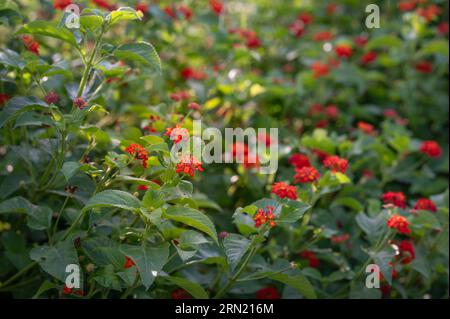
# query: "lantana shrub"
93, 204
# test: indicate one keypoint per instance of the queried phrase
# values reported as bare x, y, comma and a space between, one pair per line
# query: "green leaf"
235, 248
90, 21
434, 47
293, 211
384, 41
123, 14
148, 260
55, 259
348, 202
194, 289
107, 278
46, 286
113, 198
152, 199
299, 282
11, 58
18, 105
383, 259
152, 139
69, 169
193, 218
373, 227
426, 219
39, 217
140, 52
48, 29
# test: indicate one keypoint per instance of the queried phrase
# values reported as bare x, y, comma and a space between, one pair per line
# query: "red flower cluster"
366, 128
4, 98
361, 41
299, 160
331, 112
313, 261
242, 153
105, 5
69, 291
180, 96
297, 28
283, 190
177, 133
430, 12
425, 204
431, 148
424, 67
268, 293
180, 294
343, 50
139, 152
250, 37
61, 4
51, 98
128, 263
407, 252
399, 223
369, 57
323, 36
188, 165
194, 106
216, 6
337, 239
79, 102
307, 174
31, 44
407, 5
336, 164
320, 69
264, 216
189, 73
398, 199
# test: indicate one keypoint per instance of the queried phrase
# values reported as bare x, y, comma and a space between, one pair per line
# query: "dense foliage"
86, 116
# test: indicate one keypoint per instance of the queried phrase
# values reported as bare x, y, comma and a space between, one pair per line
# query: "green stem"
131, 288
235, 277
18, 274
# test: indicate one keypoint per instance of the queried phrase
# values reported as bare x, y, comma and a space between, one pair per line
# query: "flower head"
79, 102
431, 148
398, 199
399, 223
264, 216
188, 165
267, 293
313, 261
194, 106
177, 133
407, 252
31, 44
337, 239
51, 98
139, 152
128, 263
180, 294
424, 67
216, 6
425, 204
343, 50
369, 57
319, 69
307, 174
299, 160
366, 128
4, 98
283, 190
336, 164
61, 4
